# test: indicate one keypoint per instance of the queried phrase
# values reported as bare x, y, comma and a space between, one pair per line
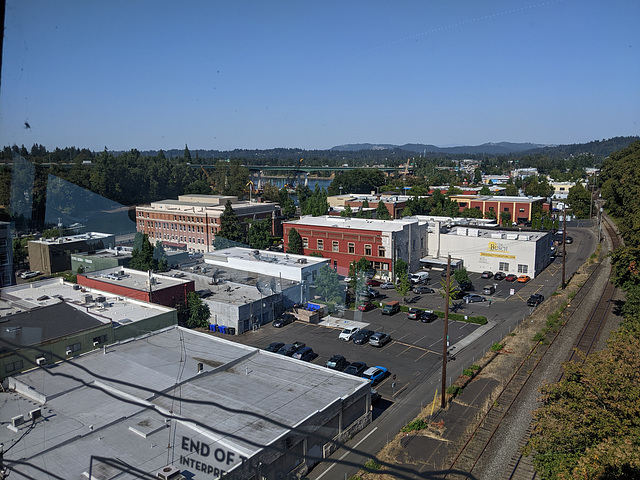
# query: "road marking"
347, 453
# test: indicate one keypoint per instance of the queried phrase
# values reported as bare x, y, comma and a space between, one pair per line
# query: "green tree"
598, 403
580, 200
295, 243
363, 265
142, 254
404, 285
198, 312
381, 211
187, 153
471, 213
485, 190
260, 234
160, 258
400, 267
461, 275
231, 230
328, 285
359, 180
347, 212
20, 251
477, 177
505, 218
510, 190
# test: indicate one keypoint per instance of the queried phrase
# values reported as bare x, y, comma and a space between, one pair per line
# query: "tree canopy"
360, 180
294, 245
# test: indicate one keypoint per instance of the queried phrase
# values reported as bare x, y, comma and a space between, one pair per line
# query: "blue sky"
306, 74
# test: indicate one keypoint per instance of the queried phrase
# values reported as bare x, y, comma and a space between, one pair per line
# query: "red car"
365, 307
374, 283
511, 277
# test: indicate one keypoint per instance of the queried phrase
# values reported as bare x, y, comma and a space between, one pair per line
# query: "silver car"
379, 339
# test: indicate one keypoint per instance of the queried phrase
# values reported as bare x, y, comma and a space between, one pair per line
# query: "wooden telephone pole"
445, 340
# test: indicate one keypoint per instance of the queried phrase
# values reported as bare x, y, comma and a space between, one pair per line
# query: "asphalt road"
414, 355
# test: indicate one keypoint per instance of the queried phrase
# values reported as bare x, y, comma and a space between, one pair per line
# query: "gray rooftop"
135, 279
114, 405
353, 223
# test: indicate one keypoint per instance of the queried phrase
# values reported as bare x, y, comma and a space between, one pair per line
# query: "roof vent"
169, 472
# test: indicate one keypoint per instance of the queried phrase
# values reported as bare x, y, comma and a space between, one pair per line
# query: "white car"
348, 333
26, 275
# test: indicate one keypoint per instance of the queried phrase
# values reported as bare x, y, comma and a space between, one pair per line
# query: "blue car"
375, 374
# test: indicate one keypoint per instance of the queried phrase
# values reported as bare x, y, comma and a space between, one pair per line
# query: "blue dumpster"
222, 329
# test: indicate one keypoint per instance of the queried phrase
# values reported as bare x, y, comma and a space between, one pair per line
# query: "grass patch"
475, 367
496, 347
453, 390
539, 337
468, 372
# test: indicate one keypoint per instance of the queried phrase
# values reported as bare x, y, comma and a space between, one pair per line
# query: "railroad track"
521, 467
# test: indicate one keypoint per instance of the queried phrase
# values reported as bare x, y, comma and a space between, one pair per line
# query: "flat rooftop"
353, 223
228, 255
501, 234
44, 293
135, 279
74, 238
118, 405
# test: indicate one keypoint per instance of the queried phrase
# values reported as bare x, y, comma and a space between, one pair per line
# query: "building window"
73, 348
381, 251
305, 242
522, 210
12, 367
506, 209
335, 246
320, 244
98, 340
368, 250
523, 268
504, 266
352, 247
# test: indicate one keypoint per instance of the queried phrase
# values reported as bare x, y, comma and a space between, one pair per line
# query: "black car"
428, 316
499, 276
285, 319
535, 300
306, 354
362, 336
299, 344
568, 239
465, 286
423, 289
356, 368
274, 347
337, 362
288, 350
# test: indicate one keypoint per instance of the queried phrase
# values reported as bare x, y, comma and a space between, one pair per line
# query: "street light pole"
446, 334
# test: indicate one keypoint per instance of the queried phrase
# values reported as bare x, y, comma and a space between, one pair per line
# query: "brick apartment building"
344, 240
520, 208
192, 221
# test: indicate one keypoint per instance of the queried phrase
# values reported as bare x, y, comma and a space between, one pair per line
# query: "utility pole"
564, 243
446, 333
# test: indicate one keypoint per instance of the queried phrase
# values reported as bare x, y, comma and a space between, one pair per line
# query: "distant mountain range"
501, 148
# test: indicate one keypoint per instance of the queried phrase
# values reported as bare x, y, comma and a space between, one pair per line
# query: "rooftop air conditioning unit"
169, 473
69, 351
41, 361
96, 343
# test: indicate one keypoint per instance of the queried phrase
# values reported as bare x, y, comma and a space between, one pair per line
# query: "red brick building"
192, 221
344, 240
160, 289
520, 208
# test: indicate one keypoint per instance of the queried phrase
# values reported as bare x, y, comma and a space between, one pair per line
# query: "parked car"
274, 346
511, 277
419, 277
379, 339
375, 396
423, 289
499, 276
443, 273
486, 274
488, 290
299, 344
456, 294
465, 286
568, 239
337, 362
305, 353
375, 374
391, 308
285, 319
524, 278
288, 350
535, 300
27, 275
347, 279
387, 286
428, 316
365, 306
348, 333
372, 282
413, 313
356, 368
473, 298
362, 336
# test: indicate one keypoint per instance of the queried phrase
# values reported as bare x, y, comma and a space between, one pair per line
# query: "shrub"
418, 424
475, 367
496, 347
467, 372
539, 337
453, 390
372, 465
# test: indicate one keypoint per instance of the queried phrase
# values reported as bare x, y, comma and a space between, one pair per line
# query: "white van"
419, 277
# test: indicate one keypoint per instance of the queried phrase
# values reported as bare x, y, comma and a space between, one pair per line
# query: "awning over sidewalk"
439, 262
